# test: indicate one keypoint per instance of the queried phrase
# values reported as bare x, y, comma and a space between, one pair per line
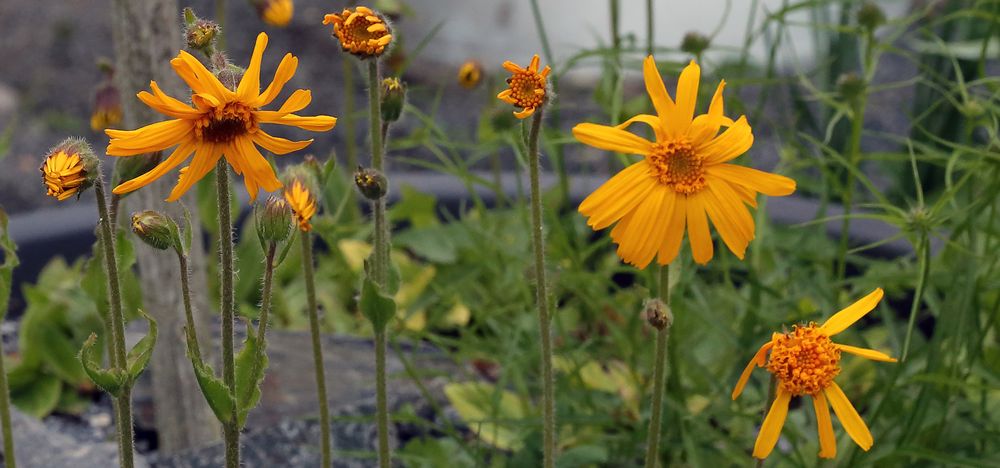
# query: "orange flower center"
527, 89
226, 123
804, 361
676, 165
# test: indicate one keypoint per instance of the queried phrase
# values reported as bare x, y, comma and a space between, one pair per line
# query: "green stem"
317, 347
188, 312
650, 41
381, 405
8, 434
659, 372
924, 251
117, 326
542, 295
230, 430
265, 293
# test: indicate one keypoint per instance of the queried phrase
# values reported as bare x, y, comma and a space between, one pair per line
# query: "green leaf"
375, 306
415, 207
490, 412
583, 455
186, 237
217, 394
432, 243
138, 356
430, 453
250, 365
59, 349
109, 380
40, 397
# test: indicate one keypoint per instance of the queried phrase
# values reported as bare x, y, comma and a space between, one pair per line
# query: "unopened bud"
69, 168
156, 229
870, 16
972, 109
695, 43
200, 33
274, 221
371, 183
393, 97
850, 86
657, 314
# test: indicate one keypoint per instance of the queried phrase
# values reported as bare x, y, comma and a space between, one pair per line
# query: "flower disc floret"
804, 361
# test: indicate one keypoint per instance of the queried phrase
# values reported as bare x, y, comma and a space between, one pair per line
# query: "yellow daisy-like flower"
64, 174
804, 362
683, 177
469, 74
276, 12
303, 204
361, 31
526, 87
223, 122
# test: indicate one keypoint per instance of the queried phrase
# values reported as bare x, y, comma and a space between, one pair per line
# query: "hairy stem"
542, 296
317, 347
659, 372
189, 329
124, 402
231, 431
8, 435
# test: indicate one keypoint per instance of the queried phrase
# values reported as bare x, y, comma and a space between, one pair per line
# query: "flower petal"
284, 73
770, 430
866, 353
849, 417
249, 88
658, 94
645, 231
651, 120
255, 166
671, 245
618, 196
315, 123
611, 139
176, 157
698, 233
199, 78
205, 157
733, 142
852, 313
297, 101
687, 95
152, 137
730, 216
764, 182
758, 360
824, 425
278, 145
706, 126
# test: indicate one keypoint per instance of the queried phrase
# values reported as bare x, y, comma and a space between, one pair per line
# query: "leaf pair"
250, 366
114, 380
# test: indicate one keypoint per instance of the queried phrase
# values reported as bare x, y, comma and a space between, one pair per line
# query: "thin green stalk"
347, 121
124, 402
558, 158
924, 250
188, 312
265, 292
650, 40
381, 262
659, 374
317, 347
771, 389
542, 296
231, 431
8, 434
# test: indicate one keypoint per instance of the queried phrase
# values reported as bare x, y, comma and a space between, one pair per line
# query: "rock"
37, 445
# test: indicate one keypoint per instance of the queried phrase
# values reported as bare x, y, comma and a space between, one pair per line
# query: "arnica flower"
526, 87
275, 12
683, 177
303, 204
223, 122
69, 169
804, 362
361, 31
469, 74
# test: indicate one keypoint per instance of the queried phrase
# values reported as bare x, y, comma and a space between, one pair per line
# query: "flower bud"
156, 229
870, 16
695, 43
393, 98
371, 183
469, 74
200, 33
850, 86
301, 192
657, 314
274, 221
69, 168
107, 101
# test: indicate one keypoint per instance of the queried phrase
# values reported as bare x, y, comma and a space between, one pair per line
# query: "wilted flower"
69, 169
361, 31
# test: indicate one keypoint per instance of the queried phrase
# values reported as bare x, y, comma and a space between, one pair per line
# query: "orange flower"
526, 87
805, 362
276, 12
683, 180
361, 32
223, 122
302, 202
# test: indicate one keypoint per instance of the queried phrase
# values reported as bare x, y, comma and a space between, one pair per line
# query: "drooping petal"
730, 217
297, 101
256, 166
764, 182
205, 157
824, 425
687, 95
278, 145
770, 430
651, 120
698, 233
315, 123
849, 417
284, 73
199, 78
866, 353
167, 105
618, 196
152, 137
852, 313
706, 126
733, 142
178, 156
524, 113
658, 94
758, 360
611, 139
249, 87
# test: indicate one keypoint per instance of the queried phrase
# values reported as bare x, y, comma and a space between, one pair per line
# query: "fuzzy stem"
542, 296
8, 435
230, 430
117, 327
188, 312
659, 371
381, 404
265, 293
317, 347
